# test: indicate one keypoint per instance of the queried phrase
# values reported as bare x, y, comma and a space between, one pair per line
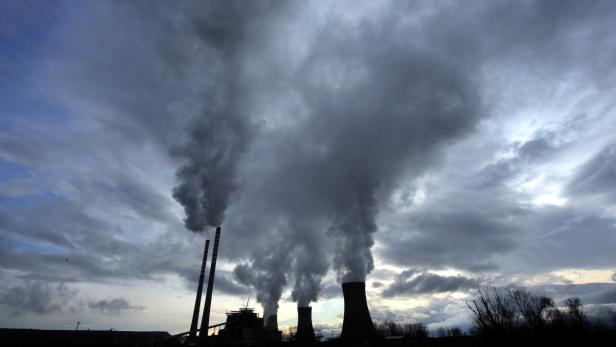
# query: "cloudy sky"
423, 147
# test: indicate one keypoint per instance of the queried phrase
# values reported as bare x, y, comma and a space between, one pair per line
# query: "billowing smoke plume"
372, 114
395, 111
366, 108
295, 253
267, 283
359, 108
310, 263
207, 178
218, 137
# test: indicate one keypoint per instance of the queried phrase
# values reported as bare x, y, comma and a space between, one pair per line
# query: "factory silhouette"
244, 326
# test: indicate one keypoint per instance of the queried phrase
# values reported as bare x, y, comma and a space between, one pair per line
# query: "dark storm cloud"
36, 297
22, 152
127, 191
113, 306
570, 230
607, 297
226, 284
589, 293
87, 250
597, 177
438, 312
413, 282
331, 290
541, 147
465, 237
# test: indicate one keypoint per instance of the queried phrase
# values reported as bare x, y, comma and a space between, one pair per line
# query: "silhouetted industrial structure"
270, 330
305, 331
195, 318
357, 326
205, 321
243, 326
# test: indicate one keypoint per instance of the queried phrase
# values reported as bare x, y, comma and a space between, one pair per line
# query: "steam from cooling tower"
306, 289
310, 262
268, 283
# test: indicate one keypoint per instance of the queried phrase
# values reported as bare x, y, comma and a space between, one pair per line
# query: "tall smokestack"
305, 332
195, 317
357, 326
205, 321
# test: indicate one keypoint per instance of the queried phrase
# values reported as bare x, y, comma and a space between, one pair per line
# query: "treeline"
517, 312
512, 316
413, 331
409, 331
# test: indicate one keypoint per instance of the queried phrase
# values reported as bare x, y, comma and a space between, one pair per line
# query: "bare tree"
531, 309
575, 314
415, 331
494, 311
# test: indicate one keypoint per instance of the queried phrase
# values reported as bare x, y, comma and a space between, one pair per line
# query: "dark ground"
71, 338
86, 338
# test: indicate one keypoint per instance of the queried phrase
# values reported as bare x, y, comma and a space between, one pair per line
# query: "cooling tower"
272, 323
195, 318
357, 326
305, 332
271, 334
205, 321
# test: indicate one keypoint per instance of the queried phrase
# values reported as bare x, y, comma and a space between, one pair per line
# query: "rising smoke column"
310, 264
218, 138
261, 275
233, 31
377, 108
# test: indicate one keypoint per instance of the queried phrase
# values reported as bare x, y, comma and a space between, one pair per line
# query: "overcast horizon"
424, 147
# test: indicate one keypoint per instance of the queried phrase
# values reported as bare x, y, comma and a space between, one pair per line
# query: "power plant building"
244, 325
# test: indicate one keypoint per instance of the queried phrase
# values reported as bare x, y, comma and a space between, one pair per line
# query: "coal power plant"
245, 327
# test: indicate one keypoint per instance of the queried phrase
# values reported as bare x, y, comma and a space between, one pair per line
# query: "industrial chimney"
305, 332
357, 326
205, 321
195, 317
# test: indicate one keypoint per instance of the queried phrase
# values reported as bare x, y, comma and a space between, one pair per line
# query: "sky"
426, 148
